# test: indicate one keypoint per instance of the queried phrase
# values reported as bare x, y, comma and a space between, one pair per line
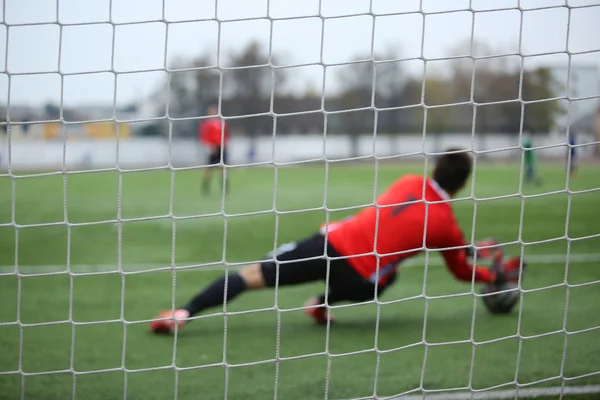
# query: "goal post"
103, 215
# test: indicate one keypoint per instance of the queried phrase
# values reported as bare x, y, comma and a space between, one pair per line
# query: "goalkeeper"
365, 250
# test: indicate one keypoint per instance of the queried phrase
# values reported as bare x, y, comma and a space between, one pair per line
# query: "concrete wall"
154, 152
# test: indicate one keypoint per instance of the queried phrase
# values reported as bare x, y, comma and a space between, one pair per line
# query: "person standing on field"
213, 133
359, 256
572, 150
530, 161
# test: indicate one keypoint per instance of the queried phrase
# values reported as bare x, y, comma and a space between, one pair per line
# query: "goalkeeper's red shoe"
318, 312
169, 321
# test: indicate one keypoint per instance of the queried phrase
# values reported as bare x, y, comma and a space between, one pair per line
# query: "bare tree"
194, 84
494, 84
250, 82
364, 85
242, 86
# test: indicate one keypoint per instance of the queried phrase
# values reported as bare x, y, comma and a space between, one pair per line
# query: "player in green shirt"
530, 162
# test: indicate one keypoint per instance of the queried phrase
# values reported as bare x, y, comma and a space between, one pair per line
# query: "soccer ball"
501, 303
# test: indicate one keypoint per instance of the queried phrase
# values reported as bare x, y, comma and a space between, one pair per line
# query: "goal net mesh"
446, 87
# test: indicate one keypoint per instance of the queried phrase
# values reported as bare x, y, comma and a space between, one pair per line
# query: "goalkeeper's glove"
484, 249
507, 271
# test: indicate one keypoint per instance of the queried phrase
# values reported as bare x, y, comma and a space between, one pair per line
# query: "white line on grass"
497, 394
437, 261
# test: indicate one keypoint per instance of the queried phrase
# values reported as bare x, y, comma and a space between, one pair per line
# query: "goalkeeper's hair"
452, 169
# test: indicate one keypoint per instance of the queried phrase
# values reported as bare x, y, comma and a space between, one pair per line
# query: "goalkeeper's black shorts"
305, 261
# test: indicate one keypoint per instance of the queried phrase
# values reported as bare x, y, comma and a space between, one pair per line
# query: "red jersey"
210, 132
400, 226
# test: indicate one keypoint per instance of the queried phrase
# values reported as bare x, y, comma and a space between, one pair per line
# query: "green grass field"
130, 361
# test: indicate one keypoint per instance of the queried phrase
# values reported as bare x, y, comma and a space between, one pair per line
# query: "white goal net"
108, 214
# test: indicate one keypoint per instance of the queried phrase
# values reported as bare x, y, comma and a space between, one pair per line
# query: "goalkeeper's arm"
457, 261
484, 249
459, 265
458, 253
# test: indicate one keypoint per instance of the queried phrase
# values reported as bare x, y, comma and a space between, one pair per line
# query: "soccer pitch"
408, 341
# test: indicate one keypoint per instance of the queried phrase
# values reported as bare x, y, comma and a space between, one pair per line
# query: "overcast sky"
35, 44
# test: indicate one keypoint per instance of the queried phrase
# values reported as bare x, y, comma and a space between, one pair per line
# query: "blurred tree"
244, 89
494, 83
541, 85
357, 84
364, 84
129, 108
251, 77
539, 116
249, 83
391, 85
193, 86
438, 93
52, 111
152, 129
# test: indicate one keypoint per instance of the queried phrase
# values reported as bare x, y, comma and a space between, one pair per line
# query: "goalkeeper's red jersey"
400, 226
211, 131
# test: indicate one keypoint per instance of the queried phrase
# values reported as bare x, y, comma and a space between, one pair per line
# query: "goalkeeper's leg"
297, 264
345, 285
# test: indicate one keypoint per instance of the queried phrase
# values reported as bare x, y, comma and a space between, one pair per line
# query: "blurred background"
86, 259
333, 79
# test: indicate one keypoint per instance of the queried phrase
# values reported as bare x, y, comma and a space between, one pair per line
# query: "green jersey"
529, 154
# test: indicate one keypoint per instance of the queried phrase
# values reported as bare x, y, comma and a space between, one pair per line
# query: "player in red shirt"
214, 134
365, 250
